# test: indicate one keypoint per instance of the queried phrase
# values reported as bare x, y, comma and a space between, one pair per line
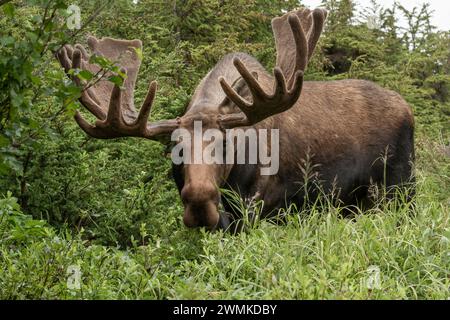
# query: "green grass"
314, 256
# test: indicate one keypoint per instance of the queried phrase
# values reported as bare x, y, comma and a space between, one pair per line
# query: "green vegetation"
111, 209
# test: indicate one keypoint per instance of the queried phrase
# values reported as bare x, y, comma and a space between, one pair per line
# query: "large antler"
294, 49
114, 107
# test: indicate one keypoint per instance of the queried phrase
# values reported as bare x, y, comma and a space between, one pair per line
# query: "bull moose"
355, 133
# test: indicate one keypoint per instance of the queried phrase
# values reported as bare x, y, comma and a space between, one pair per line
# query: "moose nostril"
203, 215
190, 221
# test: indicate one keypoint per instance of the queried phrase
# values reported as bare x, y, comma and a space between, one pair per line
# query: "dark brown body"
345, 128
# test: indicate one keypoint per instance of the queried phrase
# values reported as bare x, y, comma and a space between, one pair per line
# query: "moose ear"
240, 86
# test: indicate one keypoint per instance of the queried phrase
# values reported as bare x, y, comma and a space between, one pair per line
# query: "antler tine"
115, 117
252, 83
72, 59
146, 108
88, 128
83, 51
319, 17
233, 95
86, 100
63, 58
301, 42
76, 64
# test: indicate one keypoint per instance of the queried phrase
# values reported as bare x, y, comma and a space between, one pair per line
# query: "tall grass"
385, 253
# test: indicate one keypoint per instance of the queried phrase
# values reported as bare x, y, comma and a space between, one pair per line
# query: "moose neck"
209, 94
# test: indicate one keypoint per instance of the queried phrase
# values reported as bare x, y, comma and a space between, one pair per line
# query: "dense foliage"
111, 209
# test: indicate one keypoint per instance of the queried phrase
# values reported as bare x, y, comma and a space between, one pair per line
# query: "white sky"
441, 15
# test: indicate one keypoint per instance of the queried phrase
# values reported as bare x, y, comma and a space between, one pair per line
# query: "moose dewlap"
343, 137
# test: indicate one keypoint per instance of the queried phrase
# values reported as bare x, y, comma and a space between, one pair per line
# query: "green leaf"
71, 108
138, 52
85, 75
7, 41
117, 80
100, 61
8, 10
4, 141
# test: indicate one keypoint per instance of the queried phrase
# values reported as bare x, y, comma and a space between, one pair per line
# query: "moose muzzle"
201, 215
200, 205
